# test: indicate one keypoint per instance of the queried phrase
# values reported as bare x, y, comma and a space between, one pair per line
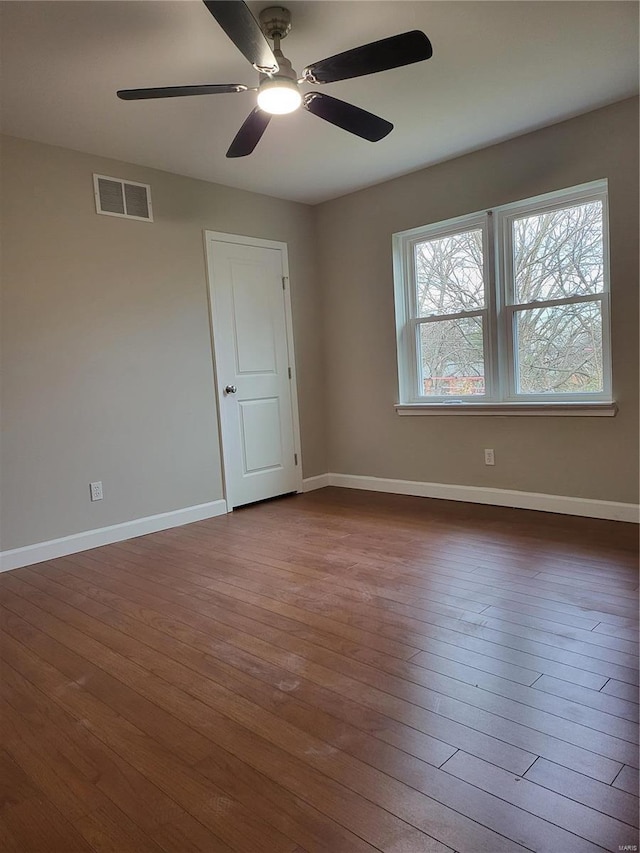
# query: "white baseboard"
587, 507
42, 551
312, 483
483, 495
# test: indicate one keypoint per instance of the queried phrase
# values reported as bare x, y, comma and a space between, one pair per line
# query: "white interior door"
254, 367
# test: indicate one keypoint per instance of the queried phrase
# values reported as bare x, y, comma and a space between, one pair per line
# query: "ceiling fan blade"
344, 115
245, 32
180, 91
250, 133
393, 52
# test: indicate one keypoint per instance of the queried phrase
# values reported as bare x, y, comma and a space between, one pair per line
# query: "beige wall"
582, 457
106, 356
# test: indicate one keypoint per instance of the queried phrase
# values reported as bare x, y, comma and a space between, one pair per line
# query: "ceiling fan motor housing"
275, 22
285, 71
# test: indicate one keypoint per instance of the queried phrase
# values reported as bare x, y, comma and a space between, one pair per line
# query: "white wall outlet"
95, 490
489, 457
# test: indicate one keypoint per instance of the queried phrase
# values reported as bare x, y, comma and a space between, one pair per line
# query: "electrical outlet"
489, 457
95, 490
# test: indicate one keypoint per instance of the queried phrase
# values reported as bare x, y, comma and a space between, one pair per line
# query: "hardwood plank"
557, 610
596, 795
71, 762
78, 759
590, 830
568, 614
461, 548
165, 771
577, 758
15, 785
464, 582
627, 633
326, 660
8, 842
580, 676
240, 670
629, 692
580, 660
595, 576
589, 638
110, 689
513, 606
562, 594
466, 586
546, 625
30, 819
607, 703
587, 658
437, 725
289, 596
161, 768
596, 658
627, 780
452, 689
586, 762
415, 775
108, 831
503, 669
408, 804
69, 795
429, 634
490, 645
306, 600
576, 676
410, 740
297, 560
73, 758
38, 828
594, 581
188, 835
246, 792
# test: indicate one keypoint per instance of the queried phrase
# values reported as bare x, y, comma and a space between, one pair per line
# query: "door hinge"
284, 282
295, 458
289, 371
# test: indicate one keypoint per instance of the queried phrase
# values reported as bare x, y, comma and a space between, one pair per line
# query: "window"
507, 307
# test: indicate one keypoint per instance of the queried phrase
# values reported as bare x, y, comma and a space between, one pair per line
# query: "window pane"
452, 357
559, 349
559, 253
449, 274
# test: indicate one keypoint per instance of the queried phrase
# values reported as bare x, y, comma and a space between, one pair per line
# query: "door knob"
230, 389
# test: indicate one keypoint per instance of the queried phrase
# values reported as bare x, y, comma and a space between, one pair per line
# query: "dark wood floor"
339, 672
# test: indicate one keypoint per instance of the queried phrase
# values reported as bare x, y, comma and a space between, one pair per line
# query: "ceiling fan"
278, 90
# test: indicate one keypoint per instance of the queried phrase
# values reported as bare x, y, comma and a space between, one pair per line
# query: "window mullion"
491, 343
552, 303
435, 318
502, 288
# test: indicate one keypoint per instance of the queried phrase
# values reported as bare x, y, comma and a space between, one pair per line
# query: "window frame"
500, 311
408, 323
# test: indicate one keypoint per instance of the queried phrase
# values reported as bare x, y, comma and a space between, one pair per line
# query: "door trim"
220, 237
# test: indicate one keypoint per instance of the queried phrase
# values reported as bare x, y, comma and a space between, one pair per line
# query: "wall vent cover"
128, 199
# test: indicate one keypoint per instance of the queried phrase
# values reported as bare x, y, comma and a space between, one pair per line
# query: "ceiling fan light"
279, 96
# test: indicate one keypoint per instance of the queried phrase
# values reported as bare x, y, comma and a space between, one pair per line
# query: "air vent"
128, 199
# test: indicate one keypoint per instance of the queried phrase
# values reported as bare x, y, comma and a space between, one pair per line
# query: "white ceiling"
499, 69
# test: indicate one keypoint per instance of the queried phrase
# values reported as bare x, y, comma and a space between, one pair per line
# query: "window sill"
581, 410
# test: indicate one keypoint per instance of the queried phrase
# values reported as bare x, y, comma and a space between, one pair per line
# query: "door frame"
221, 237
